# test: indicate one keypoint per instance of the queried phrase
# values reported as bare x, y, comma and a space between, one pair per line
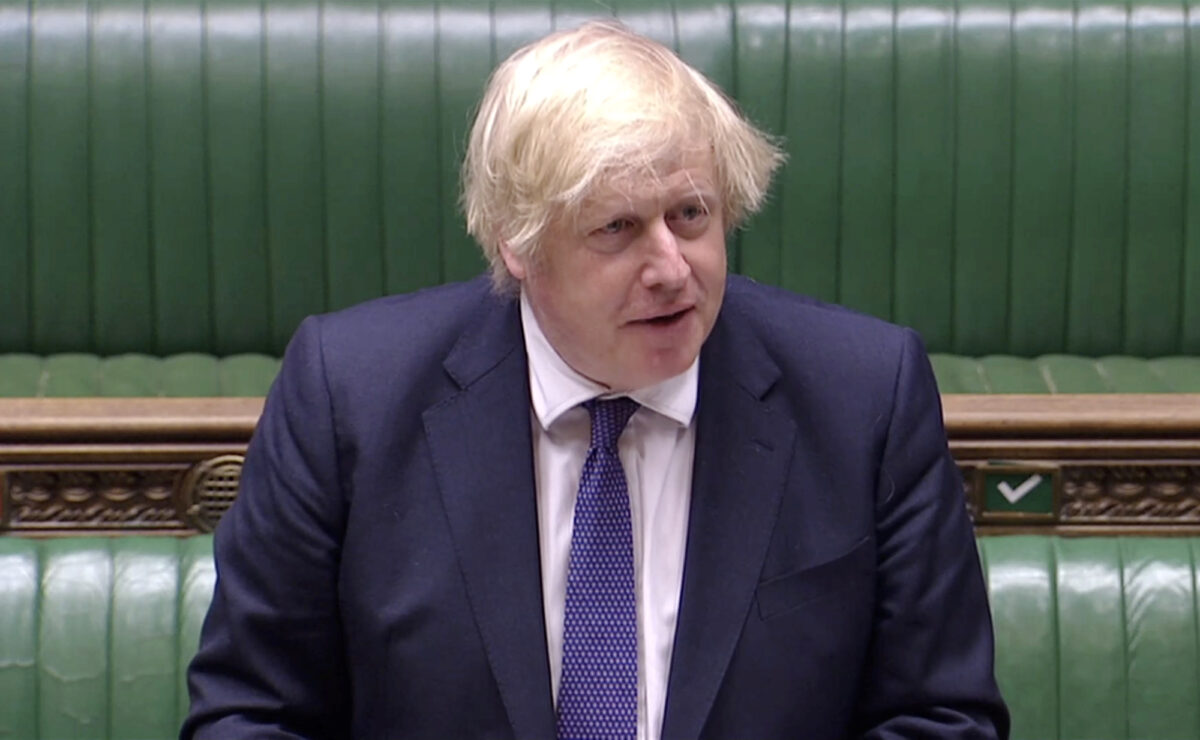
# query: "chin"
659, 371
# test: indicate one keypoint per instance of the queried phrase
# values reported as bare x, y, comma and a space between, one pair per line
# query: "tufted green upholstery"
1066, 374
95, 634
197, 375
1011, 177
135, 375
1096, 637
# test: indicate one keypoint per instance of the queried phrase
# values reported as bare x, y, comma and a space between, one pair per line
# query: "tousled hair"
582, 108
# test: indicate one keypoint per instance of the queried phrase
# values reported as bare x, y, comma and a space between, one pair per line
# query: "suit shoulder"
402, 339
427, 311
791, 320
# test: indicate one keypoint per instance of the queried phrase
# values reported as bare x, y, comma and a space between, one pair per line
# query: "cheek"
708, 262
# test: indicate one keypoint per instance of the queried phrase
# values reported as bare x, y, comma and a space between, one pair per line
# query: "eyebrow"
617, 202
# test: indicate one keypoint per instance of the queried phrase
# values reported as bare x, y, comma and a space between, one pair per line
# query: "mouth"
665, 319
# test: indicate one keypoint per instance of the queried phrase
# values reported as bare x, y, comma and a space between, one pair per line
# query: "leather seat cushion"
203, 375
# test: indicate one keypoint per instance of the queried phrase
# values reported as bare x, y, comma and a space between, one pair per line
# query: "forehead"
691, 177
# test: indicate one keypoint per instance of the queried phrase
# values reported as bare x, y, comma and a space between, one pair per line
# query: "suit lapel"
743, 452
480, 443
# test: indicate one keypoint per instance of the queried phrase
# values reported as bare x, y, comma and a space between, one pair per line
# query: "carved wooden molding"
108, 465
51, 499
1102, 463
1136, 494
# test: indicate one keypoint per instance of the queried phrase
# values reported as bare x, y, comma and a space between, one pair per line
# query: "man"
454, 522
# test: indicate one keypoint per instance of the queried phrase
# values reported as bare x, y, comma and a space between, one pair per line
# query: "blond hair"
585, 107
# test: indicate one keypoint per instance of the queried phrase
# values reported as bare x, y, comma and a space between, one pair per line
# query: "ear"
517, 264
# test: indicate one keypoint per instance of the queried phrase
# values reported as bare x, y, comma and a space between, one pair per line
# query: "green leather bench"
181, 181
1096, 637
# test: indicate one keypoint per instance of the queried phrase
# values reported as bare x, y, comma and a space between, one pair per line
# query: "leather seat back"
1007, 177
96, 634
1096, 638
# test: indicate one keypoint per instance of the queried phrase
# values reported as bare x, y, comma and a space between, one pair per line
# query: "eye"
689, 220
614, 227
612, 236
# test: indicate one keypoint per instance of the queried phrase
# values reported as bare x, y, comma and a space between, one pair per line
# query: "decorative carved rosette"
210, 489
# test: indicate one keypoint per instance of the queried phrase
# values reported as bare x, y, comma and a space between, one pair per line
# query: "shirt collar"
555, 387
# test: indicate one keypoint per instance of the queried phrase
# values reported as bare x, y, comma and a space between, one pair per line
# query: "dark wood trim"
1106, 464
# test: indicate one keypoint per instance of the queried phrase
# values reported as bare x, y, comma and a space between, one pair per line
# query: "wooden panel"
1105, 463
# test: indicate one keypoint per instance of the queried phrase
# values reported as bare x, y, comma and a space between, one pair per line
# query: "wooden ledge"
1072, 416
101, 420
104, 420
1077, 464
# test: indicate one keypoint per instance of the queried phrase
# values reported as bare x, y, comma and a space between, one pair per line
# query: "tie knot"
609, 417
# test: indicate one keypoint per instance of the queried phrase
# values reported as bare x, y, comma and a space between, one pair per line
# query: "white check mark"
1013, 495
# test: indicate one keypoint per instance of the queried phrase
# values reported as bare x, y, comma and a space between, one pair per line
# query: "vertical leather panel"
809, 181
178, 175
1008, 374
1096, 290
1132, 375
122, 268
924, 257
71, 375
190, 374
983, 176
410, 186
865, 265
651, 18
73, 638
19, 580
571, 13
177, 218
1190, 335
131, 376
58, 152
1157, 135
704, 31
144, 665
957, 374
514, 26
761, 64
464, 60
197, 576
1091, 629
1072, 374
1180, 374
14, 163
295, 207
247, 375
1041, 229
20, 375
350, 44
1021, 587
1160, 611
234, 147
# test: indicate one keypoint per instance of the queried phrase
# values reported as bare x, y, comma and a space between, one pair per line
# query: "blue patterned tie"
597, 697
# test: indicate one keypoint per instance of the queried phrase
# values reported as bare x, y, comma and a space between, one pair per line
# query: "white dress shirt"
656, 449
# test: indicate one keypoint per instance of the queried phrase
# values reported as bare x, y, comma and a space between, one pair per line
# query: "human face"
627, 291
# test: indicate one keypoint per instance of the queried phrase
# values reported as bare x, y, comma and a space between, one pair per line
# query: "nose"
665, 266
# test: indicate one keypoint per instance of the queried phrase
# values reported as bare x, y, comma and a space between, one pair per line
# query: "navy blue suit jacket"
379, 574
